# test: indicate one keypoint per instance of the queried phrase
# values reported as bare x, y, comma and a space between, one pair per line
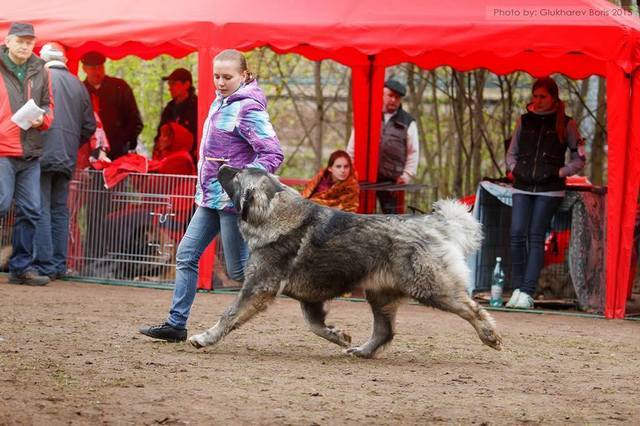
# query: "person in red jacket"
24, 78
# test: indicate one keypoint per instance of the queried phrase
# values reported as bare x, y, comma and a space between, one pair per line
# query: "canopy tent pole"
623, 179
635, 136
367, 84
625, 283
206, 94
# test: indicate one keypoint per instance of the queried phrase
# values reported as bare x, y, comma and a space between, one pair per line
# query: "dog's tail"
458, 224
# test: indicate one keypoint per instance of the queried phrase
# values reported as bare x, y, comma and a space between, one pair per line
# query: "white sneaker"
524, 301
514, 298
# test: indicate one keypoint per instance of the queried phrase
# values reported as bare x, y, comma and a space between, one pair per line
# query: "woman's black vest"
393, 146
540, 154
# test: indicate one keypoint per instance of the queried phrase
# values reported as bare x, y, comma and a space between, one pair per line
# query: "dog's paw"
492, 339
340, 337
359, 352
196, 341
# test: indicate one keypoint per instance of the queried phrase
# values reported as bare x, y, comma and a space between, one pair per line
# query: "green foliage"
151, 92
463, 117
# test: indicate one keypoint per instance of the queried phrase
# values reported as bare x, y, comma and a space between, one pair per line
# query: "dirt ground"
70, 353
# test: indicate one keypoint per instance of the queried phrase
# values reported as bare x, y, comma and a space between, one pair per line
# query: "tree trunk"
442, 174
626, 5
478, 119
319, 119
458, 88
348, 125
579, 110
597, 149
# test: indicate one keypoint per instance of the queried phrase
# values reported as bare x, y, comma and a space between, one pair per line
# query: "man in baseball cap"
399, 145
93, 59
21, 29
179, 74
115, 104
21, 147
183, 107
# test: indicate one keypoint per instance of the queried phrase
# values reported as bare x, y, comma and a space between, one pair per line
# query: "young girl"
335, 186
238, 133
536, 158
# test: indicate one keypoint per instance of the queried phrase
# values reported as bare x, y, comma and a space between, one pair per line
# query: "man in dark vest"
399, 145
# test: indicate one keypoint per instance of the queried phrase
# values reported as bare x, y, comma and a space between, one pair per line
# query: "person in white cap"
73, 126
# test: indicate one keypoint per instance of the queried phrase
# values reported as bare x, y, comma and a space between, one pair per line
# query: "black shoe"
165, 332
57, 276
28, 277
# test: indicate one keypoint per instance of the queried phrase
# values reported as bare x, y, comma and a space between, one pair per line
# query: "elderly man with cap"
24, 78
74, 125
399, 145
115, 104
183, 106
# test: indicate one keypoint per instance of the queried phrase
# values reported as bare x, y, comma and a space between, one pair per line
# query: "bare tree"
319, 119
599, 140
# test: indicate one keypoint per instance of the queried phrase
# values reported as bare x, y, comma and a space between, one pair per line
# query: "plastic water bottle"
497, 284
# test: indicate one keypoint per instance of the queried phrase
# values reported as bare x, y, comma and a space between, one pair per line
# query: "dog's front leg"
249, 302
384, 306
315, 314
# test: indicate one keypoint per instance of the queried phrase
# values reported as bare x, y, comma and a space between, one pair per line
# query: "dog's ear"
245, 204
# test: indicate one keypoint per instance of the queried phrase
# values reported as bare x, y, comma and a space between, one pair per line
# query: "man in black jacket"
74, 125
24, 79
113, 100
183, 107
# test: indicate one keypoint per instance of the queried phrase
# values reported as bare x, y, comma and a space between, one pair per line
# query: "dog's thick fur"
314, 254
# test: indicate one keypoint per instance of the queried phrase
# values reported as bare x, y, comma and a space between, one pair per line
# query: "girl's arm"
577, 157
512, 152
255, 127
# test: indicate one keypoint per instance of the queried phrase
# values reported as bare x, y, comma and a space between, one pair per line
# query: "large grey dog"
314, 254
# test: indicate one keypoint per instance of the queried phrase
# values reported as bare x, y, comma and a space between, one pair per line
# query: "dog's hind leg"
462, 305
384, 306
315, 315
249, 302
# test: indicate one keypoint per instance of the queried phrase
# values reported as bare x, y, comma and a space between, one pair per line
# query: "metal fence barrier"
131, 231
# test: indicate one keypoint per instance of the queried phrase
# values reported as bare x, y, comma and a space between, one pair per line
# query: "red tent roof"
467, 34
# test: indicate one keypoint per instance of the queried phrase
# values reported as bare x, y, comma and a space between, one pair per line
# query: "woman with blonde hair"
238, 133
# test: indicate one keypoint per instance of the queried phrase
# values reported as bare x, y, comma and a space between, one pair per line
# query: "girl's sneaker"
524, 301
514, 297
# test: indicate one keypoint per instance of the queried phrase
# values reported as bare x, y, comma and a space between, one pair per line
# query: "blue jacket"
73, 124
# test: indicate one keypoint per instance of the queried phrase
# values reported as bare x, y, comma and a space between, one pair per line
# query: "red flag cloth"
116, 171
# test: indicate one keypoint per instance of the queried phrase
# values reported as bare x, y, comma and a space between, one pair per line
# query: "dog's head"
251, 190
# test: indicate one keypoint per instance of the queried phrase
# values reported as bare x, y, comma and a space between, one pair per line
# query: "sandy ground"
70, 353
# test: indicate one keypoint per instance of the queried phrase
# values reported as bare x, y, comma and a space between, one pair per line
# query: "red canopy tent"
579, 38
